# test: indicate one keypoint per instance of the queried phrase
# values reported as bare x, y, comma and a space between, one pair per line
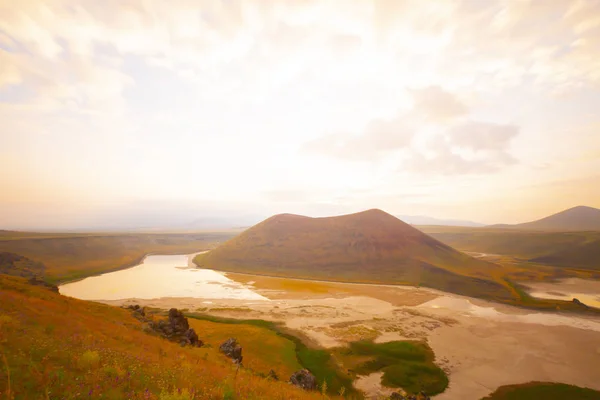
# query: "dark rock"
397, 396
578, 302
191, 338
232, 350
178, 321
272, 375
36, 281
176, 328
304, 379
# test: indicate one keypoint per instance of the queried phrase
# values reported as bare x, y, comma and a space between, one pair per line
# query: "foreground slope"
580, 218
55, 347
371, 246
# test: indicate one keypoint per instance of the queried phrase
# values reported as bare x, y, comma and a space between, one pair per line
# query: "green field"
405, 364
318, 361
543, 391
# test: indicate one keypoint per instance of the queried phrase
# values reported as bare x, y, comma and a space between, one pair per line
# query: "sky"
160, 112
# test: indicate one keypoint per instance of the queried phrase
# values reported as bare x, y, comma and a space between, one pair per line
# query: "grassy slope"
72, 256
370, 247
545, 391
57, 347
316, 360
564, 249
263, 349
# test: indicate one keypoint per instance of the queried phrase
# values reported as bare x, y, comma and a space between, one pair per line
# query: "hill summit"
370, 246
580, 218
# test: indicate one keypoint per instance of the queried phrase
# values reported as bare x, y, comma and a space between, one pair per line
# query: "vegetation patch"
405, 364
543, 390
318, 361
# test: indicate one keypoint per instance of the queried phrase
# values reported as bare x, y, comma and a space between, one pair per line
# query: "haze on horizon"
125, 110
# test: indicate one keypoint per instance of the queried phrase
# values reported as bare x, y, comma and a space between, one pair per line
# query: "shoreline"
135, 263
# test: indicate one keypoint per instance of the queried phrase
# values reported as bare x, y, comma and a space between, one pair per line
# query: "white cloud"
248, 85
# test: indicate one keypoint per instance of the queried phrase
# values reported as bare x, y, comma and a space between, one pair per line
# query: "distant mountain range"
370, 246
580, 218
425, 220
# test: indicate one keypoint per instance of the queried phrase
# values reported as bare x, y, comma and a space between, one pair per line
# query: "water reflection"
585, 290
156, 277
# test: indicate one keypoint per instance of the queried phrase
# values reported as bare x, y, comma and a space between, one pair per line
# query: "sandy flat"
481, 345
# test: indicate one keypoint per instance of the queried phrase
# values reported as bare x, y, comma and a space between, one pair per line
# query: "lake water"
585, 290
156, 277
464, 306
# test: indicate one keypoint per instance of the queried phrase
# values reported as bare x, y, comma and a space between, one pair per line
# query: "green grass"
318, 361
545, 391
405, 364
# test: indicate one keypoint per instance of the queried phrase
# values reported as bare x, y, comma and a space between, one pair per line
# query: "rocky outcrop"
138, 312
40, 282
579, 303
18, 265
304, 379
178, 321
232, 349
176, 328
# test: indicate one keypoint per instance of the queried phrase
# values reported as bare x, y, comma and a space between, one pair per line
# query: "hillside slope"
561, 249
371, 246
56, 347
580, 218
68, 256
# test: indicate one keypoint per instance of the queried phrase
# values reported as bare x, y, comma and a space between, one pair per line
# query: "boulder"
176, 328
304, 379
178, 321
191, 338
397, 396
232, 350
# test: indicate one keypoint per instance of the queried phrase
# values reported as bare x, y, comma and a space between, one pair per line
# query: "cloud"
437, 104
379, 138
468, 148
482, 135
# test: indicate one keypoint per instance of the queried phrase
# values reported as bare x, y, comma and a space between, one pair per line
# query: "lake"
586, 291
159, 276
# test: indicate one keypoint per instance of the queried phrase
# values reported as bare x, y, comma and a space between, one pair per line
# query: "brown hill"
370, 246
580, 218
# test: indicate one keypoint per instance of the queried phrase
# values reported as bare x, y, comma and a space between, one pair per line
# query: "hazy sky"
481, 110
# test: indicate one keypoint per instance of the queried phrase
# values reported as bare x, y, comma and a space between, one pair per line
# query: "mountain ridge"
370, 246
578, 218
